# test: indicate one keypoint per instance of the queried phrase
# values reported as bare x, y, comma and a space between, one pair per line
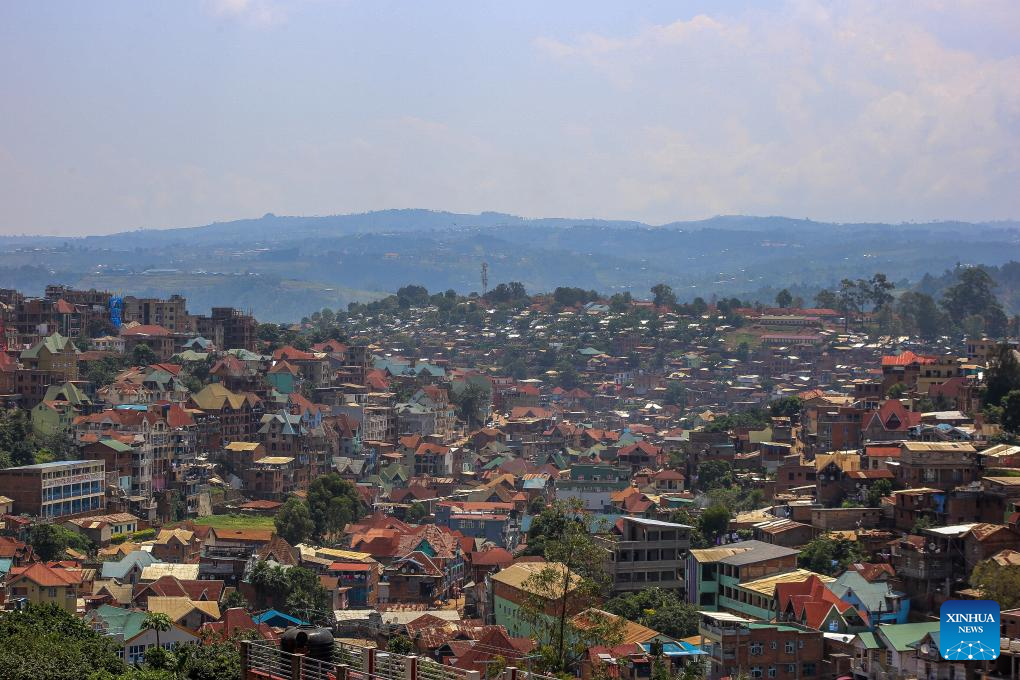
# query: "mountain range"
283, 268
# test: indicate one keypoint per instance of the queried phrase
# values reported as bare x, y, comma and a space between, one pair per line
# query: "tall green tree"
142, 355
294, 522
972, 295
784, 299
573, 575
1011, 412
663, 295
16, 440
333, 502
158, 622
1003, 375
472, 403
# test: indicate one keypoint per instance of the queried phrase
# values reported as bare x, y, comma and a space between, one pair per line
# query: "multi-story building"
518, 585
738, 646
237, 414
940, 465
593, 485
55, 354
715, 574
171, 314
647, 553
65, 488
144, 423
271, 478
228, 328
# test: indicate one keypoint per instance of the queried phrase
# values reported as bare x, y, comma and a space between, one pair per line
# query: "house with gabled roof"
41, 584
126, 628
870, 589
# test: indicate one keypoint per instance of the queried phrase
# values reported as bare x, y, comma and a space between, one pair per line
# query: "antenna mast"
485, 278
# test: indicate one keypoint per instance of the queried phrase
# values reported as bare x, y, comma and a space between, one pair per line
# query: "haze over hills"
286, 267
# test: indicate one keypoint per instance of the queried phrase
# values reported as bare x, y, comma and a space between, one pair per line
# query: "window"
757, 649
774, 645
756, 672
52, 592
789, 647
809, 670
773, 672
791, 668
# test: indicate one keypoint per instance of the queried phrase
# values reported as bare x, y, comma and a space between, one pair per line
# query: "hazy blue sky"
117, 115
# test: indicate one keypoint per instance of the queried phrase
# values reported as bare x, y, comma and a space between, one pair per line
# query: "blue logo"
969, 630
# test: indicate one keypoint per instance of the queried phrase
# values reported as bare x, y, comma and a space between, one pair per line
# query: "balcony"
261, 660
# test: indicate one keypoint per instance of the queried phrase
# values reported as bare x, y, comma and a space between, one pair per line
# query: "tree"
550, 524
1000, 583
566, 374
714, 473
878, 291
574, 573
294, 589
828, 555
400, 644
48, 643
826, 299
920, 315
142, 355
235, 599
1003, 375
714, 522
663, 296
416, 513
333, 502
897, 391
743, 352
307, 596
208, 661
784, 299
158, 622
16, 438
878, 491
294, 522
1011, 412
472, 403
102, 372
658, 609
676, 394
49, 541
970, 294
787, 406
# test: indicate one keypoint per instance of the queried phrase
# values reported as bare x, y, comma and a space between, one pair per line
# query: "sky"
123, 115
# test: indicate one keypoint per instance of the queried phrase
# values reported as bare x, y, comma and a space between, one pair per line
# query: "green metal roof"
116, 445
869, 641
901, 635
54, 344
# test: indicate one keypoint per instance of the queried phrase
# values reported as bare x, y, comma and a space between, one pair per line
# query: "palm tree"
158, 622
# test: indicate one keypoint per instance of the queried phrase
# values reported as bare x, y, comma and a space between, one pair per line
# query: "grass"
734, 339
235, 521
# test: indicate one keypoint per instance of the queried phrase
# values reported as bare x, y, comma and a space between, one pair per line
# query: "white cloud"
820, 109
259, 13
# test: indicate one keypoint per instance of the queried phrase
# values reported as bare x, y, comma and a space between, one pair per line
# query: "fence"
264, 660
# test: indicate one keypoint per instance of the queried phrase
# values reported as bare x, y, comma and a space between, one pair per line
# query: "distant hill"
286, 267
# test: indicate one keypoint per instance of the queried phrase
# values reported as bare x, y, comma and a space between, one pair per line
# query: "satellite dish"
933, 547
924, 648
